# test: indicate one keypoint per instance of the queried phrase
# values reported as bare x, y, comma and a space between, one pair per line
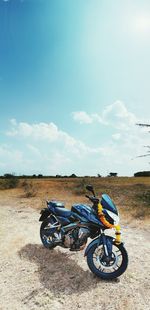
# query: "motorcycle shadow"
59, 271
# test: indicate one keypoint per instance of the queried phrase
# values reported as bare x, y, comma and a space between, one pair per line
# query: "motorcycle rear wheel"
107, 270
47, 233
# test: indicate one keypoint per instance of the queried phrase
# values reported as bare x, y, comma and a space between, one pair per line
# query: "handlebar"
92, 199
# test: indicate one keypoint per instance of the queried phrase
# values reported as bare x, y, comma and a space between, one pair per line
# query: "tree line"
33, 176
73, 175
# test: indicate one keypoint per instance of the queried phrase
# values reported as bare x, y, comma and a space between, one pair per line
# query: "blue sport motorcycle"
106, 256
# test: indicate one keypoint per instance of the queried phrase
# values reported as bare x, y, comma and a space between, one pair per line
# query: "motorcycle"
106, 256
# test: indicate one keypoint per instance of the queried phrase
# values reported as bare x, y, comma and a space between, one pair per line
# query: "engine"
76, 239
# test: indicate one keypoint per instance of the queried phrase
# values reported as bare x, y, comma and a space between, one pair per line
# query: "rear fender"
44, 214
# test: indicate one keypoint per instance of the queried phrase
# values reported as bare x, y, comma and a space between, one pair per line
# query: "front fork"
107, 245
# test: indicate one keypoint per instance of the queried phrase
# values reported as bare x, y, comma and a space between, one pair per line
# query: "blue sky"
74, 80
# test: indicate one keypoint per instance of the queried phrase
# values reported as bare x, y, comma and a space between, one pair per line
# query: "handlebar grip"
87, 196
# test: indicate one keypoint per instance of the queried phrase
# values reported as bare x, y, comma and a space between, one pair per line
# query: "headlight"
114, 217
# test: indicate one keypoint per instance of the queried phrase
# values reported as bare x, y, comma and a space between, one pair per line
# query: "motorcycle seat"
63, 212
55, 204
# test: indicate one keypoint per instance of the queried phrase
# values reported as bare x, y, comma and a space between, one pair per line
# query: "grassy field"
130, 194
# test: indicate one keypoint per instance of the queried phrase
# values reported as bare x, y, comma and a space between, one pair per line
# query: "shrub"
80, 188
144, 198
8, 183
30, 190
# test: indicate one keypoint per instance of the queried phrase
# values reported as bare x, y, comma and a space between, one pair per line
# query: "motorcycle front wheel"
104, 268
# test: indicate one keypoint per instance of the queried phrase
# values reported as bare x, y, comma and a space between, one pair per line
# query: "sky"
74, 81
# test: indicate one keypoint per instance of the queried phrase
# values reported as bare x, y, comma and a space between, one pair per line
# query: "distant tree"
73, 175
58, 176
40, 175
99, 175
142, 174
9, 175
112, 174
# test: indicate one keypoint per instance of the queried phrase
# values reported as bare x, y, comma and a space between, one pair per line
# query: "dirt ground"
32, 277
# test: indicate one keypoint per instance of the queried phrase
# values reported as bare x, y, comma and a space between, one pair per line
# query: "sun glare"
142, 24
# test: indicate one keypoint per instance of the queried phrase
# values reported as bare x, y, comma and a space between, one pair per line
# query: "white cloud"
58, 161
99, 118
129, 139
115, 115
44, 148
118, 116
42, 131
116, 136
34, 150
10, 158
13, 122
82, 117
49, 133
5, 151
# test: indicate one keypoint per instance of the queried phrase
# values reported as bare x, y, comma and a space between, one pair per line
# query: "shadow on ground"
58, 272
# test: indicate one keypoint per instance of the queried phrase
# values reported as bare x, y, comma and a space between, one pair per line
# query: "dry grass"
35, 278
131, 195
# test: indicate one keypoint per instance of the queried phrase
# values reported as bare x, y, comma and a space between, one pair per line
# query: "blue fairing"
108, 204
87, 212
80, 211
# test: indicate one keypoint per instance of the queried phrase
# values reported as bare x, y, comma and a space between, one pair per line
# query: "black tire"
47, 239
108, 275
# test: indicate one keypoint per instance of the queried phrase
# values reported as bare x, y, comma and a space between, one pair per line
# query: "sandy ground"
32, 277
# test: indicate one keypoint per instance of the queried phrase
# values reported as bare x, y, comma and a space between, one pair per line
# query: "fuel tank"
87, 212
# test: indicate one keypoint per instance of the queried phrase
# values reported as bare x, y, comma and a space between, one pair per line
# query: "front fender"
44, 214
98, 241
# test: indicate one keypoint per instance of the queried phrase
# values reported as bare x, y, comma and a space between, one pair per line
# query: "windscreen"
108, 204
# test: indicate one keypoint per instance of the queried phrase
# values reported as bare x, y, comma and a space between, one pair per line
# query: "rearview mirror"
90, 188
